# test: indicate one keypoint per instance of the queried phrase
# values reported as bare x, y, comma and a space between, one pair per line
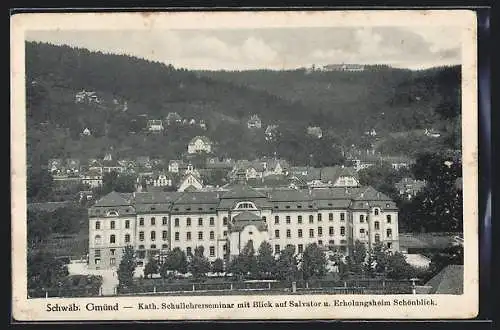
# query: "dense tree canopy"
127, 267
132, 90
45, 271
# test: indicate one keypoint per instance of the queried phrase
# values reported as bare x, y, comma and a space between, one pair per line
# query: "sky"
418, 47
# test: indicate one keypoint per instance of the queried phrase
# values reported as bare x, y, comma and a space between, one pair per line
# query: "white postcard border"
448, 306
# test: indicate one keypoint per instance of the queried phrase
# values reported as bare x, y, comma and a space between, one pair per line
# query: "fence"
64, 292
318, 286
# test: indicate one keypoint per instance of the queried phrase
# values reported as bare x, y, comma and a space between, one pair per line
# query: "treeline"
385, 98
347, 103
65, 220
288, 265
436, 208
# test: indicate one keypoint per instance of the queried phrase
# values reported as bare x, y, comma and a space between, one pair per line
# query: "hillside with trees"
133, 90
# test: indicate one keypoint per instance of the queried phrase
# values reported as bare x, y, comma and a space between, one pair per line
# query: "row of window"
388, 233
200, 235
212, 220
164, 221
311, 232
288, 219
362, 218
200, 222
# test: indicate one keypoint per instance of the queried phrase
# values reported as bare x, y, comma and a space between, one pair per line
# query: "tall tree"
176, 261
127, 267
152, 267
218, 266
357, 258
287, 264
313, 262
199, 264
248, 258
40, 185
398, 268
380, 255
265, 259
45, 270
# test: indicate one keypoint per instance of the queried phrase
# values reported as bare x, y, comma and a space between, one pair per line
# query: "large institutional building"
223, 222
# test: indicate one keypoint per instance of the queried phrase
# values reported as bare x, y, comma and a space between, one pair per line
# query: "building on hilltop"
226, 220
344, 67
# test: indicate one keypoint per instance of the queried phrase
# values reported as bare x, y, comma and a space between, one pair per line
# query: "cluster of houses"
271, 132
173, 118
181, 174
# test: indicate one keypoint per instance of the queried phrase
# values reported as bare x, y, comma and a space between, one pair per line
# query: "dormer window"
112, 214
246, 205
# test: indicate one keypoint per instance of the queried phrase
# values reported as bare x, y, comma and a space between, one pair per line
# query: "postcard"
244, 165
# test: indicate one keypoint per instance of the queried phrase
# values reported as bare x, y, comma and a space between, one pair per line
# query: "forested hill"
150, 88
132, 90
380, 97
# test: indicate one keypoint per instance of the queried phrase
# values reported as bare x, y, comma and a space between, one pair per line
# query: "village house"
371, 132
86, 132
192, 121
409, 187
72, 166
275, 167
271, 132
432, 133
315, 131
398, 162
155, 125
176, 166
254, 122
92, 178
199, 144
173, 118
55, 165
87, 97
202, 124
339, 176
143, 162
213, 163
162, 180
190, 182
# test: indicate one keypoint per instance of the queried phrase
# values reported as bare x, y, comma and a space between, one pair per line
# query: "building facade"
225, 221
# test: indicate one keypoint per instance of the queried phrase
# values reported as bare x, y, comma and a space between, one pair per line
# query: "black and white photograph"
240, 165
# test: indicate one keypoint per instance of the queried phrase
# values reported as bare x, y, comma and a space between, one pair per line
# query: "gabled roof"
155, 197
448, 281
202, 138
242, 191
191, 188
334, 172
370, 194
289, 195
204, 197
113, 199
